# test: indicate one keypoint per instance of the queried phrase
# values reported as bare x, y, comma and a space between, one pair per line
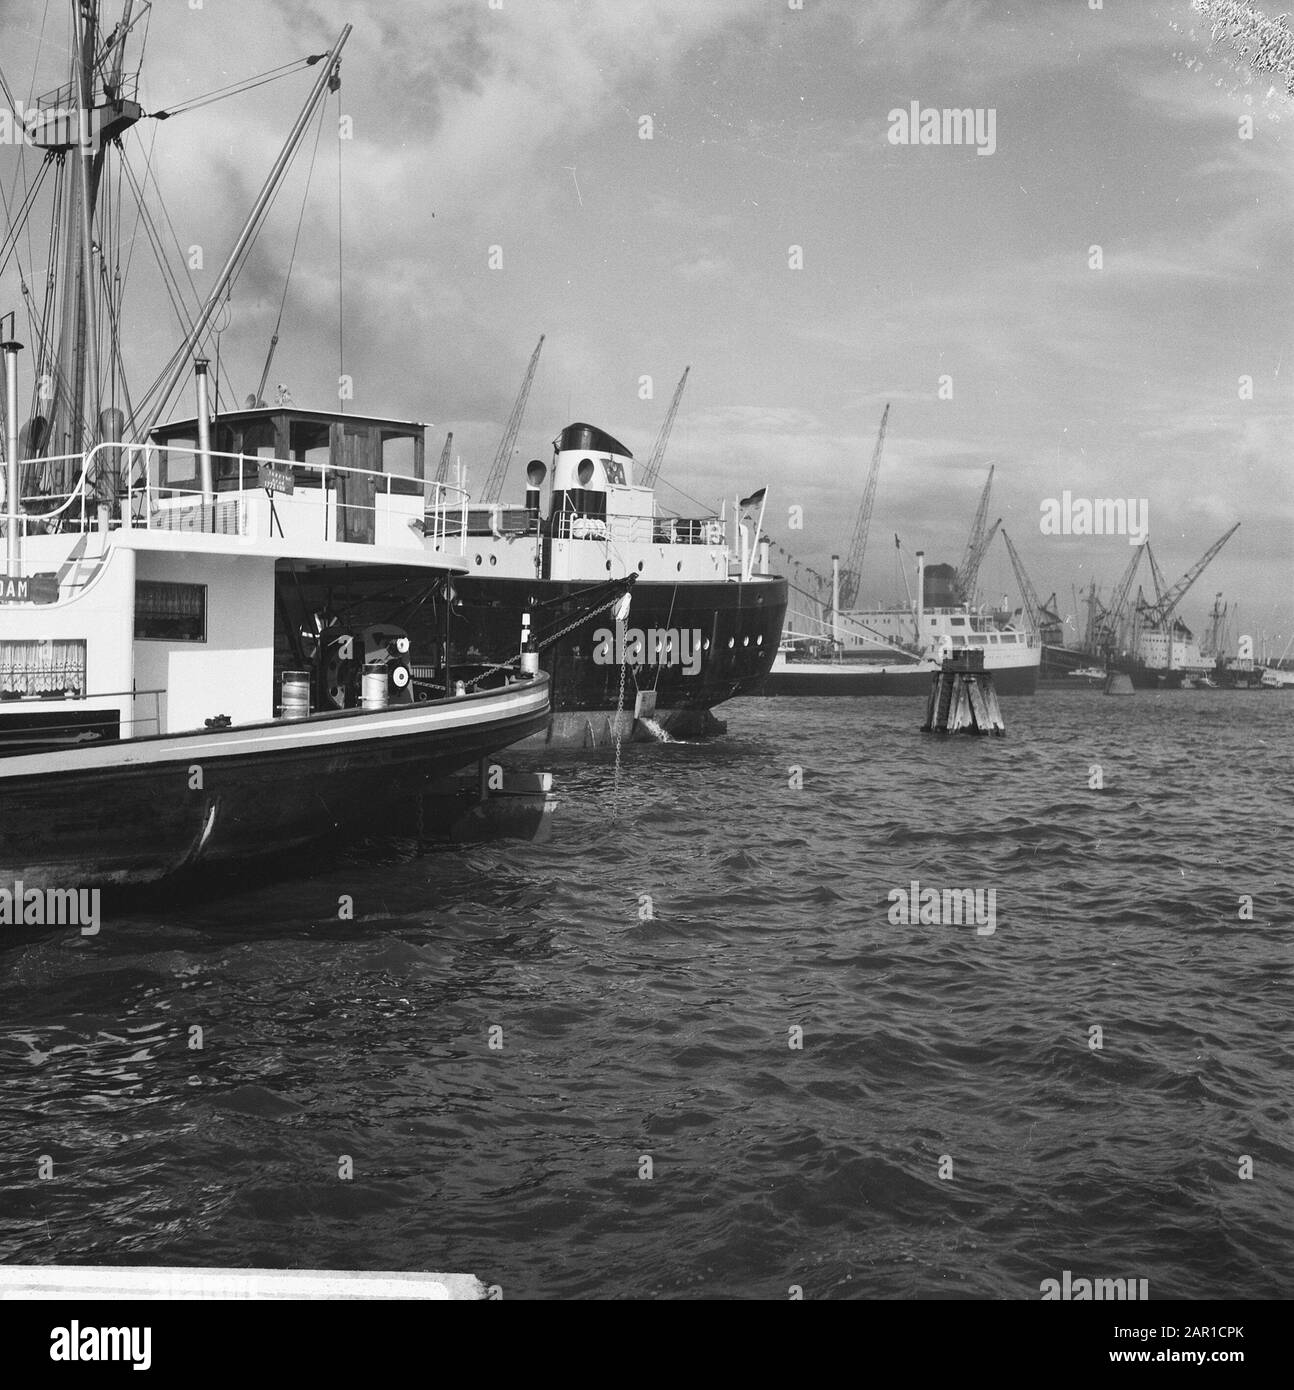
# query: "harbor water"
684, 1049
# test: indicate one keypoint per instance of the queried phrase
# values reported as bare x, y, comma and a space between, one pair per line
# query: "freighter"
644, 622
840, 649
893, 651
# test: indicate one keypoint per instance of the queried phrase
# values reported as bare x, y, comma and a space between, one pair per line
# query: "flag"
754, 499
897, 546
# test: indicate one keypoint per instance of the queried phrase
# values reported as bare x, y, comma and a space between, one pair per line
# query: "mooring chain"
616, 736
556, 637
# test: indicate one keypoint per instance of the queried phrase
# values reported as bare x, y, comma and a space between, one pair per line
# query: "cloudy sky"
518, 124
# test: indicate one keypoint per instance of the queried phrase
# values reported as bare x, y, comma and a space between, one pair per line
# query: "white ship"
894, 651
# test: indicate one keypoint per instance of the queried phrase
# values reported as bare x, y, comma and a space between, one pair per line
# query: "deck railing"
74, 490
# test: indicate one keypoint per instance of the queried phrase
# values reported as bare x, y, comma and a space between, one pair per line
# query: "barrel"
375, 687
296, 694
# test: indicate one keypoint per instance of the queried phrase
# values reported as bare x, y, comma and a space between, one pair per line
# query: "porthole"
759, 641
640, 566
478, 559
494, 559
732, 642
705, 644
608, 566
745, 641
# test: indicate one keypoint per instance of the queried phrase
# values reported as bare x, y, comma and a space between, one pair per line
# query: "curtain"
42, 667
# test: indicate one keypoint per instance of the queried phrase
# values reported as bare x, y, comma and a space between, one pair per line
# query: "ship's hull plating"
141, 810
1154, 678
862, 678
732, 631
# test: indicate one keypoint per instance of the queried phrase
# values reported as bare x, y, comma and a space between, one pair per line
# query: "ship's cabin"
363, 475
317, 440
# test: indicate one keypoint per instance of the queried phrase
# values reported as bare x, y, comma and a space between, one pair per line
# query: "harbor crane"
499, 468
1157, 575
1110, 620
851, 572
1043, 617
442, 468
1159, 614
976, 545
652, 471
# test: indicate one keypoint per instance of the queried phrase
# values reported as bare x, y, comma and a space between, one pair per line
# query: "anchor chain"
548, 642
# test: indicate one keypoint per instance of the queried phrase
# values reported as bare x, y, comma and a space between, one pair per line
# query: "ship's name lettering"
35, 588
656, 646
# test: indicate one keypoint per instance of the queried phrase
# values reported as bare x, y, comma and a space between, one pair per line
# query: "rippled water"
661, 1030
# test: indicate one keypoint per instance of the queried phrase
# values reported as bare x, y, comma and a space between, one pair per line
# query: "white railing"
182, 505
646, 530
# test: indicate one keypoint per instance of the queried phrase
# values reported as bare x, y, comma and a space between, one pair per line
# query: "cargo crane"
1157, 575
442, 469
652, 471
1160, 613
1043, 617
851, 572
499, 468
1110, 620
976, 545
1216, 643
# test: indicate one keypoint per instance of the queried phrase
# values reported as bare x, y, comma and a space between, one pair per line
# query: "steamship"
894, 651
206, 652
694, 620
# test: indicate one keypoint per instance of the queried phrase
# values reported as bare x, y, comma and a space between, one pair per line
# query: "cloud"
704, 267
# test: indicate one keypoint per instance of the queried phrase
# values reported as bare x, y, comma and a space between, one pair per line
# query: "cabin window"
310, 441
401, 457
41, 668
261, 440
958, 622
170, 612
180, 469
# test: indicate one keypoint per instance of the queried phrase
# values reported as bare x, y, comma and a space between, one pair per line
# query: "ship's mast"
76, 123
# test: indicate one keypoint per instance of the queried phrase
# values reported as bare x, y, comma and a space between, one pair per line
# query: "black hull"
1058, 662
741, 623
1237, 680
1149, 677
1011, 680
110, 821
737, 628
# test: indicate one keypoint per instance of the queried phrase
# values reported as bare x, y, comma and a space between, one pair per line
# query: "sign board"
273, 477
35, 588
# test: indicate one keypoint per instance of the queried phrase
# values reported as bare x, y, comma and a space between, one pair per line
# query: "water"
659, 1029
660, 734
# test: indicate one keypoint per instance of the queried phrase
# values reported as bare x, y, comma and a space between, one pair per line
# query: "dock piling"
962, 698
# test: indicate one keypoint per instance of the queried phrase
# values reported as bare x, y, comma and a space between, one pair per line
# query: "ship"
895, 651
1277, 675
1166, 657
1145, 639
832, 647
694, 620
205, 648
